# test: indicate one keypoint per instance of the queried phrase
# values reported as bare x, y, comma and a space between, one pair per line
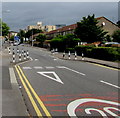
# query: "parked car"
111, 43
16, 43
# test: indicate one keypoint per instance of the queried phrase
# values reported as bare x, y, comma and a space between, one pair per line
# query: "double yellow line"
30, 91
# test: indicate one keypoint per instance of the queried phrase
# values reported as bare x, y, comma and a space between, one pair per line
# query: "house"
12, 33
106, 24
62, 31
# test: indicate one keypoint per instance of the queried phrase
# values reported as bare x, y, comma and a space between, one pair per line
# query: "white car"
16, 43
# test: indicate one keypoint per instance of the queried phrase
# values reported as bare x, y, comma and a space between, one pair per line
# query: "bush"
72, 50
83, 49
104, 53
57, 43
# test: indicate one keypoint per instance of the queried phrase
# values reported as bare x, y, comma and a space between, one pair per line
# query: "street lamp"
32, 38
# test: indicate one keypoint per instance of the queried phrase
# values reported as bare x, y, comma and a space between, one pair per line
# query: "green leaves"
88, 30
5, 28
116, 36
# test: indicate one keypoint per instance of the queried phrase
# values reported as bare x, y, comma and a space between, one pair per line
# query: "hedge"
103, 53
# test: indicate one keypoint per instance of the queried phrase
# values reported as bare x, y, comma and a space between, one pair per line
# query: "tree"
57, 42
70, 40
41, 38
5, 28
32, 32
88, 30
116, 36
11, 38
118, 23
21, 34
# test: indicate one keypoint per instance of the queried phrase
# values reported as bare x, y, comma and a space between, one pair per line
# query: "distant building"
12, 33
106, 24
46, 28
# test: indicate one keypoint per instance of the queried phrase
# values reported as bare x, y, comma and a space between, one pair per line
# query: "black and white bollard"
24, 55
9, 50
64, 54
13, 57
27, 54
22, 52
53, 51
20, 56
83, 56
69, 55
17, 51
75, 55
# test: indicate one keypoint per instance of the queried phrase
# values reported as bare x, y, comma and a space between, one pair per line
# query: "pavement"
12, 100
86, 59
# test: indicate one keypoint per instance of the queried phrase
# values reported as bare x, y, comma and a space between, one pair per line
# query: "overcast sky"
18, 15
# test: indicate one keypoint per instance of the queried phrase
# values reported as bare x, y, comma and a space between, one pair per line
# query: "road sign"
16, 38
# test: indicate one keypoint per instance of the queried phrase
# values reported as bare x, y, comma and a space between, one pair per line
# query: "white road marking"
60, 67
55, 59
74, 104
36, 59
12, 76
31, 58
38, 67
27, 68
57, 79
49, 67
109, 84
71, 70
87, 110
110, 112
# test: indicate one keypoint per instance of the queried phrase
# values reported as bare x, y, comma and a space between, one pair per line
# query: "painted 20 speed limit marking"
83, 105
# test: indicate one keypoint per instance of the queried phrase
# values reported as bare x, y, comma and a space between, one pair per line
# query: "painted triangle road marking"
57, 79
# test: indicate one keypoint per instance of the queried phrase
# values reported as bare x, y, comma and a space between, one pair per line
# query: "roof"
65, 28
73, 26
106, 19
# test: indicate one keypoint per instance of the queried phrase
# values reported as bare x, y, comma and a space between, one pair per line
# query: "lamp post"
32, 38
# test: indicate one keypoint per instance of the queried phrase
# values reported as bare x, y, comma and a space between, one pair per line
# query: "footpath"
86, 59
12, 101
72, 57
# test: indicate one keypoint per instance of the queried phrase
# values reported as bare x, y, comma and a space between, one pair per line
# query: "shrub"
83, 49
72, 50
104, 53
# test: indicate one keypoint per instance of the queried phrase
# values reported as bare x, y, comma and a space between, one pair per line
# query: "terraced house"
107, 25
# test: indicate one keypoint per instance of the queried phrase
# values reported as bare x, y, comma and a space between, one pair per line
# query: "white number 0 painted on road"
73, 105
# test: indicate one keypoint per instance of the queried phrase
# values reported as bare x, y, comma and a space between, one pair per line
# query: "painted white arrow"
57, 79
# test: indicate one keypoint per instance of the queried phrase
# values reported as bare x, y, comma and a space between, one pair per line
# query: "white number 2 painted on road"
73, 105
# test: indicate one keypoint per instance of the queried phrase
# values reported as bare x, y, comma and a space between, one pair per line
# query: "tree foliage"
22, 35
70, 40
41, 38
116, 36
32, 32
5, 28
118, 23
64, 42
88, 30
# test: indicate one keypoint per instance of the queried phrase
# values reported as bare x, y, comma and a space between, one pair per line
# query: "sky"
18, 15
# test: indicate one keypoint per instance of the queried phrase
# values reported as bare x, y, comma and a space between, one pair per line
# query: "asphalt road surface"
54, 87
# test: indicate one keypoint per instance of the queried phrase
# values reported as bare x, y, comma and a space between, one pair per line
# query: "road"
54, 87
